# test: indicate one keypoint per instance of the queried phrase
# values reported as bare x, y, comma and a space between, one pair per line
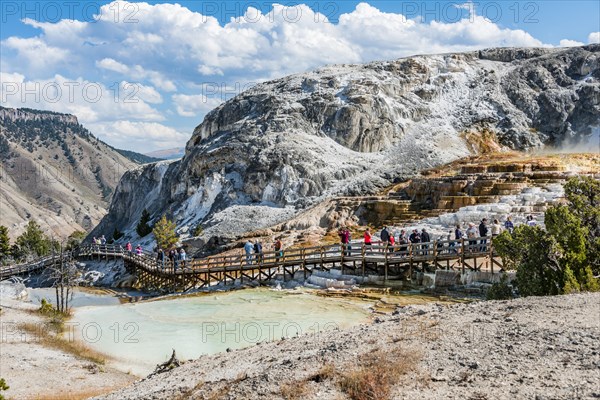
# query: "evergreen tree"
33, 241
532, 252
565, 257
75, 239
164, 233
143, 228
4, 242
571, 236
583, 194
117, 234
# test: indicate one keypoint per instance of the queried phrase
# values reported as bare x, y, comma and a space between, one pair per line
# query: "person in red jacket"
368, 239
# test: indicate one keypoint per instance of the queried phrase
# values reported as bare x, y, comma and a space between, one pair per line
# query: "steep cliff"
54, 171
348, 129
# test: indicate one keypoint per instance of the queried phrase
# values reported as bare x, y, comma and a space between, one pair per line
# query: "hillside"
55, 171
284, 145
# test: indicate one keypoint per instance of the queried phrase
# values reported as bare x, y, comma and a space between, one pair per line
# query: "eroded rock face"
352, 129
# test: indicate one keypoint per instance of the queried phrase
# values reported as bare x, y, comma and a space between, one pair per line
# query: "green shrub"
3, 387
500, 290
46, 308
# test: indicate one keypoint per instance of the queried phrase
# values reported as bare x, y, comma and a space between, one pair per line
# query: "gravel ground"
530, 348
34, 371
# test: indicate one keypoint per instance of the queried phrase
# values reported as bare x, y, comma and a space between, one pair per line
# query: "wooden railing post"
492, 255
435, 255
462, 255
363, 254
385, 267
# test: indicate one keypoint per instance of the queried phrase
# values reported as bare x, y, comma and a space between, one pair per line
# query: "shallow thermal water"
139, 336
79, 299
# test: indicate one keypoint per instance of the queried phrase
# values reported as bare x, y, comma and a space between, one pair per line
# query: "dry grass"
294, 390
46, 338
376, 373
326, 372
79, 395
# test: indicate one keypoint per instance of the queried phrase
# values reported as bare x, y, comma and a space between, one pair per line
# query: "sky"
142, 75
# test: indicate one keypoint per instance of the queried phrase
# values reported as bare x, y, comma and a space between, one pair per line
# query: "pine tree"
4, 242
566, 257
33, 241
75, 239
143, 228
117, 234
164, 233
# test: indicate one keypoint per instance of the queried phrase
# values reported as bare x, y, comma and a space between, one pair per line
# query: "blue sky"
141, 76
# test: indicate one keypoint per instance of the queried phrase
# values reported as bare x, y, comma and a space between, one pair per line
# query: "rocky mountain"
283, 145
55, 171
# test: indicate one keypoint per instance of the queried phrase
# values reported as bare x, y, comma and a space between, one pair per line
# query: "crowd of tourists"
470, 238
173, 258
255, 254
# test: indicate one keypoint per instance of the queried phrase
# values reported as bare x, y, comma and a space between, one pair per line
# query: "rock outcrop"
352, 129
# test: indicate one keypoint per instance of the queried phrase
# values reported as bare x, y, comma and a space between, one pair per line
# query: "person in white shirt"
496, 228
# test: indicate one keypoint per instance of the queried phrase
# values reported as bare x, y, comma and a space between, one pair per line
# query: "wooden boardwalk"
384, 261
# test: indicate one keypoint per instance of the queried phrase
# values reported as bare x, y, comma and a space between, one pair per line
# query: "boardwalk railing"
356, 258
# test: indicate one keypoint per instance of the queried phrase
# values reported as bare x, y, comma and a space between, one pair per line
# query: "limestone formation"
283, 145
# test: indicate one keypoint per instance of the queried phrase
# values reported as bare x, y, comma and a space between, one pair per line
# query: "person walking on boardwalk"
385, 236
403, 241
496, 228
458, 235
182, 257
138, 250
278, 247
103, 241
425, 238
128, 247
160, 258
483, 232
173, 259
249, 248
472, 235
258, 250
508, 225
344, 234
368, 240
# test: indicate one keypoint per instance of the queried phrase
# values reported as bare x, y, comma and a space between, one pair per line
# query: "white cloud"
594, 37
137, 72
112, 65
36, 52
570, 43
142, 137
167, 48
191, 106
170, 43
8, 79
139, 91
89, 101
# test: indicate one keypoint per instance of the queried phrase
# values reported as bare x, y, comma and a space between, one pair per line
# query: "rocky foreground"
529, 348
